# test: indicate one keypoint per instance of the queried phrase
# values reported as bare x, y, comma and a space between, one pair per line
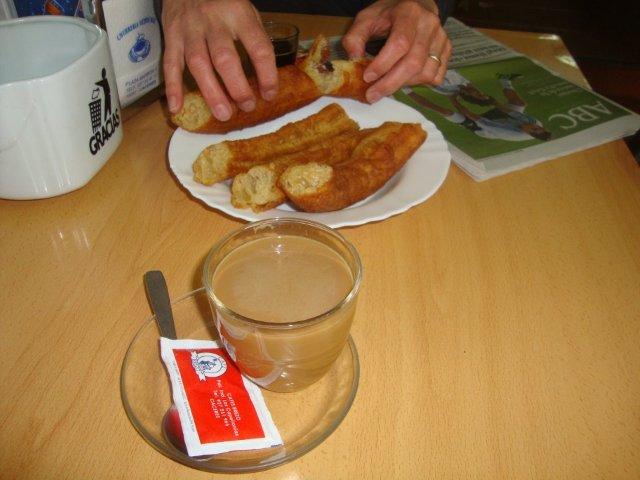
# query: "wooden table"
498, 326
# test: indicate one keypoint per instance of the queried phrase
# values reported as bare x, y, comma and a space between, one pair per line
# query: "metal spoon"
160, 304
158, 295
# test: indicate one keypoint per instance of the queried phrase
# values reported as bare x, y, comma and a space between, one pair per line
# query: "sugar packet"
220, 410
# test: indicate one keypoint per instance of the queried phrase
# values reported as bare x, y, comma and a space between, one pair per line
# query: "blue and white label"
134, 40
140, 49
208, 365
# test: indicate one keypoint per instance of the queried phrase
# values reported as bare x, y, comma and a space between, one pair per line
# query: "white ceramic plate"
420, 178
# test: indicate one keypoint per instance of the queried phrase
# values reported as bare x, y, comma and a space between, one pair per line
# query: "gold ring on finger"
436, 58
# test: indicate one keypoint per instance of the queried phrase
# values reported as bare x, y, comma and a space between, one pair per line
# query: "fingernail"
222, 112
369, 76
269, 94
172, 102
373, 97
247, 106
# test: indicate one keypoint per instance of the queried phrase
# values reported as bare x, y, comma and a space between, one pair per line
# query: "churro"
231, 157
337, 78
317, 187
257, 189
295, 90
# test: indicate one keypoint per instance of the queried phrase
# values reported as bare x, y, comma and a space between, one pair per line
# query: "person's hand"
415, 36
202, 34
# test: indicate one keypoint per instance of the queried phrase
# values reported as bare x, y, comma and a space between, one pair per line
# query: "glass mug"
283, 292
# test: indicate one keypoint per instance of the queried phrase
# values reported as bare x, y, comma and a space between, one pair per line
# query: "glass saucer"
304, 419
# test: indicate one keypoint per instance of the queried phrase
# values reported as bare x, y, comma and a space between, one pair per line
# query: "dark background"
603, 36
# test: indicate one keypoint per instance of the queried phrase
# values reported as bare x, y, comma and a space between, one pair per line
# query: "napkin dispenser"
135, 44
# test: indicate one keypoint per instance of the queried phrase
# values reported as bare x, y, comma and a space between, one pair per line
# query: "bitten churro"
300, 84
337, 78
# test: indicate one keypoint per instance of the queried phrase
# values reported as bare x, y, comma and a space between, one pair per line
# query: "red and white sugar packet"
220, 410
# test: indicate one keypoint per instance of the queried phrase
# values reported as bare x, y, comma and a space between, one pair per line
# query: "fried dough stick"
337, 78
295, 90
299, 85
257, 189
317, 187
231, 157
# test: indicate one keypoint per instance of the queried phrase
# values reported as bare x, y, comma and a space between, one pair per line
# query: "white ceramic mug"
60, 118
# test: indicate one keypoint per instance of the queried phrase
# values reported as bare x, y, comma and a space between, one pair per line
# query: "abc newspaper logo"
208, 365
104, 122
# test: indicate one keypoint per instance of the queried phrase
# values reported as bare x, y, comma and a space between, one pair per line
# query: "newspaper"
500, 111
470, 47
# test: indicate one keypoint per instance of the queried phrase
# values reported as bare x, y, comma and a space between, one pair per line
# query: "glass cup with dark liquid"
283, 293
284, 38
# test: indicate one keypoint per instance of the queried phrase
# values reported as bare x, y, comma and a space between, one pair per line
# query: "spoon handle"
160, 304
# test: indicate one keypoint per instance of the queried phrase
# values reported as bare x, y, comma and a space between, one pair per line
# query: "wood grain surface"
498, 325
